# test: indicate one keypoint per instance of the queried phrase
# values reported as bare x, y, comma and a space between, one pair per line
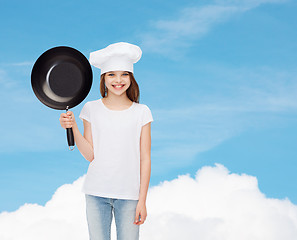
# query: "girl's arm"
145, 161
145, 173
83, 143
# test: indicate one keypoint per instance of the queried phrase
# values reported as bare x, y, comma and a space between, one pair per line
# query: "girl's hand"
140, 210
67, 120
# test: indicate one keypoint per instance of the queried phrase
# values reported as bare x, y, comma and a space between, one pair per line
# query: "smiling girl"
117, 143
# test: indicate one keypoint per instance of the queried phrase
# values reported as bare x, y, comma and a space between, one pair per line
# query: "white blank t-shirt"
115, 170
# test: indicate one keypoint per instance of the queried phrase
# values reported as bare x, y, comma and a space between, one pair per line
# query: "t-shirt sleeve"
85, 112
146, 116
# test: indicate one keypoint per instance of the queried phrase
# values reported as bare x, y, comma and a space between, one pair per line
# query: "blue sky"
218, 76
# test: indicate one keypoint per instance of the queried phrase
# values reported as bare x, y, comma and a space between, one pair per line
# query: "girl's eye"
110, 74
125, 74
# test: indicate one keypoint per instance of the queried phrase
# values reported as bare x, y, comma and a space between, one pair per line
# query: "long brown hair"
132, 91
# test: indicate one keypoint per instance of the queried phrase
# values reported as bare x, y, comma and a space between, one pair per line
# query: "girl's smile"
118, 86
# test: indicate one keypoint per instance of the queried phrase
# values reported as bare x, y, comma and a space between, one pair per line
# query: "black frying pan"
61, 78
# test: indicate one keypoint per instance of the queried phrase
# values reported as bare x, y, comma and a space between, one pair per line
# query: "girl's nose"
118, 79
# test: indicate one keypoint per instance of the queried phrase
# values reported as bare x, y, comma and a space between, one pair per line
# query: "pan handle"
70, 137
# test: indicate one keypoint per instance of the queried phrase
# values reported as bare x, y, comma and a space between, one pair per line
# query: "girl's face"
117, 82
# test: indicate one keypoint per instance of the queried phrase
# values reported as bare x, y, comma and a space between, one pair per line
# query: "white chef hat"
116, 57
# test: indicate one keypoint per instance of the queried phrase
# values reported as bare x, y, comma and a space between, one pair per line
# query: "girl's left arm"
145, 161
145, 173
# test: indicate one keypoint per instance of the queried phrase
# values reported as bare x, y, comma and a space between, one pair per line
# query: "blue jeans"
99, 217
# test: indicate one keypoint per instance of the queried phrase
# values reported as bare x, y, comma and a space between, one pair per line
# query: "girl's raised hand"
67, 120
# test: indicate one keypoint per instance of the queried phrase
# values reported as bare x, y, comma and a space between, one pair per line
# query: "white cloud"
61, 218
5, 80
19, 64
216, 205
168, 36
